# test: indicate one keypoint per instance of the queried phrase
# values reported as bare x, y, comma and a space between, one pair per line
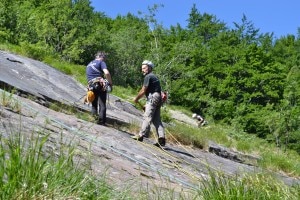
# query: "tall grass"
277, 160
251, 186
7, 100
27, 172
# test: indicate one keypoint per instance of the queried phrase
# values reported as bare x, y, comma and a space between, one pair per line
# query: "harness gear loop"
99, 83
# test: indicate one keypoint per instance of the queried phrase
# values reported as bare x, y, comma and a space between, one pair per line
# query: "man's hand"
142, 107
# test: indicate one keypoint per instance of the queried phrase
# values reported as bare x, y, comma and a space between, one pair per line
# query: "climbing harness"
99, 83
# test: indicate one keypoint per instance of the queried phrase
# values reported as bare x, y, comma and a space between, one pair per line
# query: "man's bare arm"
140, 94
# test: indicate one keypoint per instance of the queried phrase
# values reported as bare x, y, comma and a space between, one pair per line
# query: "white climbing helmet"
148, 62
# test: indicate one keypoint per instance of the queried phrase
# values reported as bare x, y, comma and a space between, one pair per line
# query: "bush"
34, 51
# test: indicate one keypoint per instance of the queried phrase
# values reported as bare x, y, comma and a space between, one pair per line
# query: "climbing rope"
167, 153
171, 163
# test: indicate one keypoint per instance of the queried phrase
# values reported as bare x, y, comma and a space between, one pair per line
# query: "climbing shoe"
161, 142
138, 138
101, 122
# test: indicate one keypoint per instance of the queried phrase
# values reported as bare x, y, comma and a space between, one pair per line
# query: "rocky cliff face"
107, 149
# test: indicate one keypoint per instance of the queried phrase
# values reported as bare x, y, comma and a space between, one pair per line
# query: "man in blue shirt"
95, 71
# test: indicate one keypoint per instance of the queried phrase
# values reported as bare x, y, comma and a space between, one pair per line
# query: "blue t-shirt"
95, 69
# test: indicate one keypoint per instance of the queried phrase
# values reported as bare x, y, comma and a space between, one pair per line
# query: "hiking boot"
101, 123
138, 138
162, 141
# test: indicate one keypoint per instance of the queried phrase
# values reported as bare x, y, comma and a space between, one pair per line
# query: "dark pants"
101, 95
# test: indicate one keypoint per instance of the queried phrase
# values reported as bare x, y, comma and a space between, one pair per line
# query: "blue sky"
277, 16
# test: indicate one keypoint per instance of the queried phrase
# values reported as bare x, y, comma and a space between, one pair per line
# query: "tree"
8, 20
247, 31
290, 110
129, 41
204, 27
